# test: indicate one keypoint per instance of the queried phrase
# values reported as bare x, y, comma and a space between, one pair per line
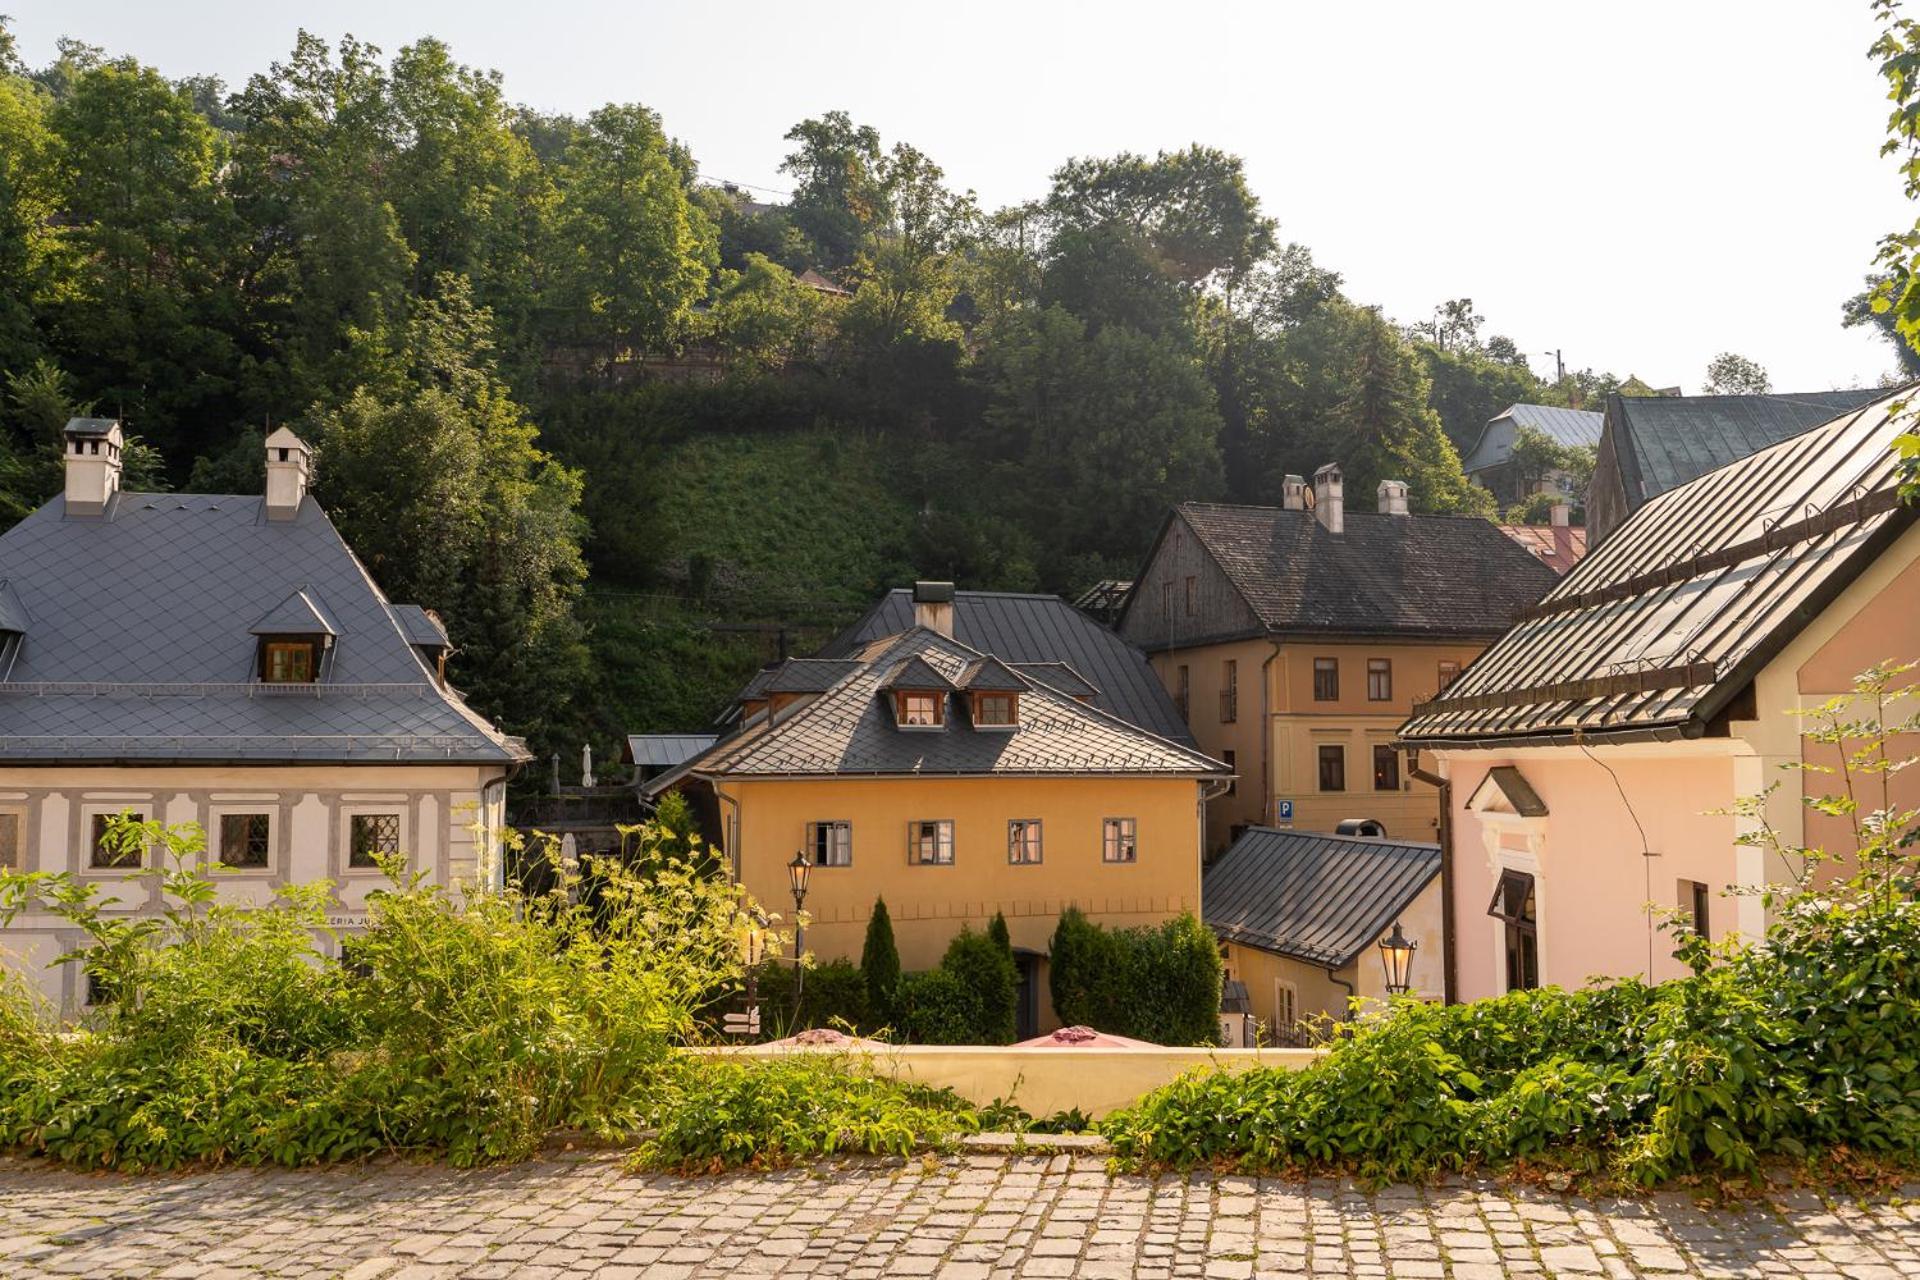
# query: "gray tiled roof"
1385, 575
1660, 628
915, 672
421, 627
1019, 629
1664, 441
139, 647
850, 730
1319, 898
989, 674
13, 614
298, 615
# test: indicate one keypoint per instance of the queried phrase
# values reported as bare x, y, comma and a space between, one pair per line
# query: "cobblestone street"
975, 1217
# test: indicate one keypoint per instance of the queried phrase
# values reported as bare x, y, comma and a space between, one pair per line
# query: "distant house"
1651, 444
1489, 463
820, 284
1594, 754
1559, 543
955, 782
1294, 640
225, 660
1301, 915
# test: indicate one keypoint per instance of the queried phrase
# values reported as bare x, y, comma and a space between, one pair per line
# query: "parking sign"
1286, 810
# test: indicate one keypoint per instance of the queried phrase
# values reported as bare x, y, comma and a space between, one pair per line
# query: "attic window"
996, 710
921, 708
290, 660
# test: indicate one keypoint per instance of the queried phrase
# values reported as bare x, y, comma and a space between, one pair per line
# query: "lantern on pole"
1396, 954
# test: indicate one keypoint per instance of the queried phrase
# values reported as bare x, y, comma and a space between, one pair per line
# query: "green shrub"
1160, 984
880, 962
721, 1114
936, 1007
834, 993
986, 970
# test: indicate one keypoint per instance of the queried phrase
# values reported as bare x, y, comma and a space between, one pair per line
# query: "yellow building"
1295, 639
955, 786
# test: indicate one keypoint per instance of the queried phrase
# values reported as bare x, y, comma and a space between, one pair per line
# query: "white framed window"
930, 842
1119, 840
830, 844
370, 837
1286, 1006
243, 839
104, 852
1023, 841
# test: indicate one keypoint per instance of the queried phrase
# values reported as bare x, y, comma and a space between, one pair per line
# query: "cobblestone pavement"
984, 1217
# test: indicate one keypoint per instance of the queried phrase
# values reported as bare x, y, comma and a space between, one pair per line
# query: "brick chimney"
933, 607
289, 473
1393, 498
1329, 501
1293, 493
92, 454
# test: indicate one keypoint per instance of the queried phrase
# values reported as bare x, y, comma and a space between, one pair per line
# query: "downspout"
1352, 995
1449, 959
733, 827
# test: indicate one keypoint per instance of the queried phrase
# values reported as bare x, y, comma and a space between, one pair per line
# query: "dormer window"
289, 661
993, 693
918, 693
996, 710
922, 708
295, 638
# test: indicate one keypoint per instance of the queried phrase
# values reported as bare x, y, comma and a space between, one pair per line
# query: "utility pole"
1559, 365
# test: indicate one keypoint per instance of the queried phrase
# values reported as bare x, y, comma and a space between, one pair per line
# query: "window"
1512, 905
1117, 840
1326, 679
287, 662
995, 709
373, 836
115, 849
10, 840
1023, 841
1379, 680
1386, 768
1449, 672
930, 843
243, 839
830, 844
1333, 768
1229, 691
1193, 596
1182, 685
1693, 904
1166, 599
921, 707
99, 990
1286, 1006
1229, 759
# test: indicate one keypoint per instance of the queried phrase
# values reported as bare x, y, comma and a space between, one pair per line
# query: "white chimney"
1293, 493
1393, 498
933, 607
93, 464
289, 473
1560, 515
1329, 501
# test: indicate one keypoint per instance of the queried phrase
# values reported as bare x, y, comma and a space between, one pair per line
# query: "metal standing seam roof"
665, 750
850, 730
1657, 630
1022, 629
1322, 899
139, 645
1578, 428
1057, 675
1661, 442
1385, 575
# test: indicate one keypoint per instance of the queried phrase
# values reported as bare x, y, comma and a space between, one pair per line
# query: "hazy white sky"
1642, 183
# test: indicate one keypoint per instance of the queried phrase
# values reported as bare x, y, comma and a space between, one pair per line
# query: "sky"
1639, 185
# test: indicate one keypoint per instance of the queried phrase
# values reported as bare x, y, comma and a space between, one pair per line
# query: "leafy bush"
880, 962
833, 993
1160, 984
721, 1114
937, 1007
985, 969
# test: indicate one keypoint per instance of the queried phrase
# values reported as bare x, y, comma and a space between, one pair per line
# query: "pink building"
1590, 755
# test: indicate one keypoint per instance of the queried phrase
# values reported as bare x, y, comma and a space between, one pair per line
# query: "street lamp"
1396, 953
797, 872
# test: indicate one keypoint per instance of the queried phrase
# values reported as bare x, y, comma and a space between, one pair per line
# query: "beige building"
956, 786
1594, 754
1295, 639
223, 660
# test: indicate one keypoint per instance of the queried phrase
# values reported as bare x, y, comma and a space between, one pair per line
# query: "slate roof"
421, 627
1385, 575
298, 615
1494, 445
796, 675
988, 674
1321, 899
1668, 620
139, 644
665, 750
1020, 629
13, 614
850, 730
915, 672
1058, 675
1660, 442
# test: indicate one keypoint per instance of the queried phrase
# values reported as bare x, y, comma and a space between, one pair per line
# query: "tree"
634, 250
839, 196
1454, 326
1470, 387
1859, 311
880, 962
1190, 211
29, 198
906, 281
764, 318
1898, 49
1730, 374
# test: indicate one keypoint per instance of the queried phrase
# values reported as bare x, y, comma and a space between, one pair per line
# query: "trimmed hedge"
972, 998
1160, 984
835, 992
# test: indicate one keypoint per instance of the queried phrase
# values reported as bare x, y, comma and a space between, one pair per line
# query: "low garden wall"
1042, 1081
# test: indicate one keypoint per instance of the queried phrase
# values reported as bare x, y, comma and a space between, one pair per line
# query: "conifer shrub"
1160, 983
880, 963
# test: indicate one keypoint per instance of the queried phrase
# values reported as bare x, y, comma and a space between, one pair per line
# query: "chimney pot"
93, 464
933, 607
1393, 498
1293, 493
1329, 500
289, 474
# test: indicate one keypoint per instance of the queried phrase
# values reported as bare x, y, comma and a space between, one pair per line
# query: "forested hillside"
589, 405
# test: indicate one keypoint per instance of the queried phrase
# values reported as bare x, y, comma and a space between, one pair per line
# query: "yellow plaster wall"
930, 904
1206, 668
